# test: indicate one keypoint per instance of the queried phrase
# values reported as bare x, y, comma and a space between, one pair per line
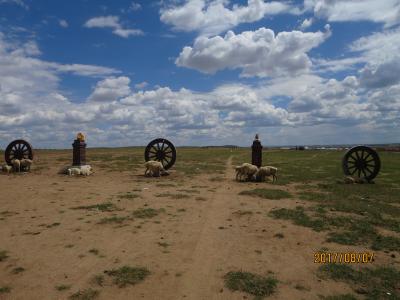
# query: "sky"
199, 72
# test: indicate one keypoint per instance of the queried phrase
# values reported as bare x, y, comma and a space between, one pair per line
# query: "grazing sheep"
74, 171
266, 172
246, 169
6, 168
154, 168
26, 164
349, 180
359, 180
16, 164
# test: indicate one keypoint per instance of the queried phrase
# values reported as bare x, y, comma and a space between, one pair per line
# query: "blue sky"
199, 71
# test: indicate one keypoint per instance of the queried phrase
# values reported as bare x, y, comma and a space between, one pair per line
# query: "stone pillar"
79, 151
256, 152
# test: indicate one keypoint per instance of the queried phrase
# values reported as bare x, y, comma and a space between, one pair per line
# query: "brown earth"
206, 237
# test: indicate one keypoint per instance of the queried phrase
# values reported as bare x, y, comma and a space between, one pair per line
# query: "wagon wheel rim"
361, 161
18, 149
161, 150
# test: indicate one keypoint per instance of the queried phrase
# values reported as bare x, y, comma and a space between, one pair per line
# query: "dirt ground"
188, 247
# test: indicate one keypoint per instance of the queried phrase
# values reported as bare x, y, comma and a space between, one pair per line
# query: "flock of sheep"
153, 168
17, 165
252, 172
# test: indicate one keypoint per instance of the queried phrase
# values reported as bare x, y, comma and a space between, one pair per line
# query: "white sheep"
16, 164
74, 171
6, 168
154, 168
86, 170
267, 171
26, 164
246, 169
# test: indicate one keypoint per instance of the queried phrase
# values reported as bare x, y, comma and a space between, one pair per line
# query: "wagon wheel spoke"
358, 157
351, 162
352, 172
368, 155
362, 170
351, 156
368, 170
362, 154
359, 173
162, 146
351, 167
370, 160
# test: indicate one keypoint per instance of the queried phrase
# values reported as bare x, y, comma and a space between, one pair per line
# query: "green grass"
145, 213
88, 294
128, 196
18, 270
62, 287
299, 217
107, 206
3, 255
128, 275
5, 289
113, 220
267, 194
94, 251
375, 283
339, 297
250, 283
173, 196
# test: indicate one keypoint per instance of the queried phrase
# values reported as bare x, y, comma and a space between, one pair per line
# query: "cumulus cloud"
315, 109
111, 89
376, 55
386, 12
257, 53
215, 16
112, 22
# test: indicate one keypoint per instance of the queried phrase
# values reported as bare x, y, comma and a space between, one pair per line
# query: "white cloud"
63, 23
314, 109
112, 22
85, 70
111, 89
386, 12
215, 16
257, 53
306, 23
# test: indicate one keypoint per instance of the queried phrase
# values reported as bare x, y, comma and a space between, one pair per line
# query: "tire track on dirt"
203, 278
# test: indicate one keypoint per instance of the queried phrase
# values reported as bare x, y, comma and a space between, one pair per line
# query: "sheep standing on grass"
16, 165
246, 169
266, 172
26, 164
154, 168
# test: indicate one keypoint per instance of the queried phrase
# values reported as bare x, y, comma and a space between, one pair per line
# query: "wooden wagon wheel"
18, 149
161, 150
361, 161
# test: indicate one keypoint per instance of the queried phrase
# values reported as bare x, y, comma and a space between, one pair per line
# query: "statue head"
80, 137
